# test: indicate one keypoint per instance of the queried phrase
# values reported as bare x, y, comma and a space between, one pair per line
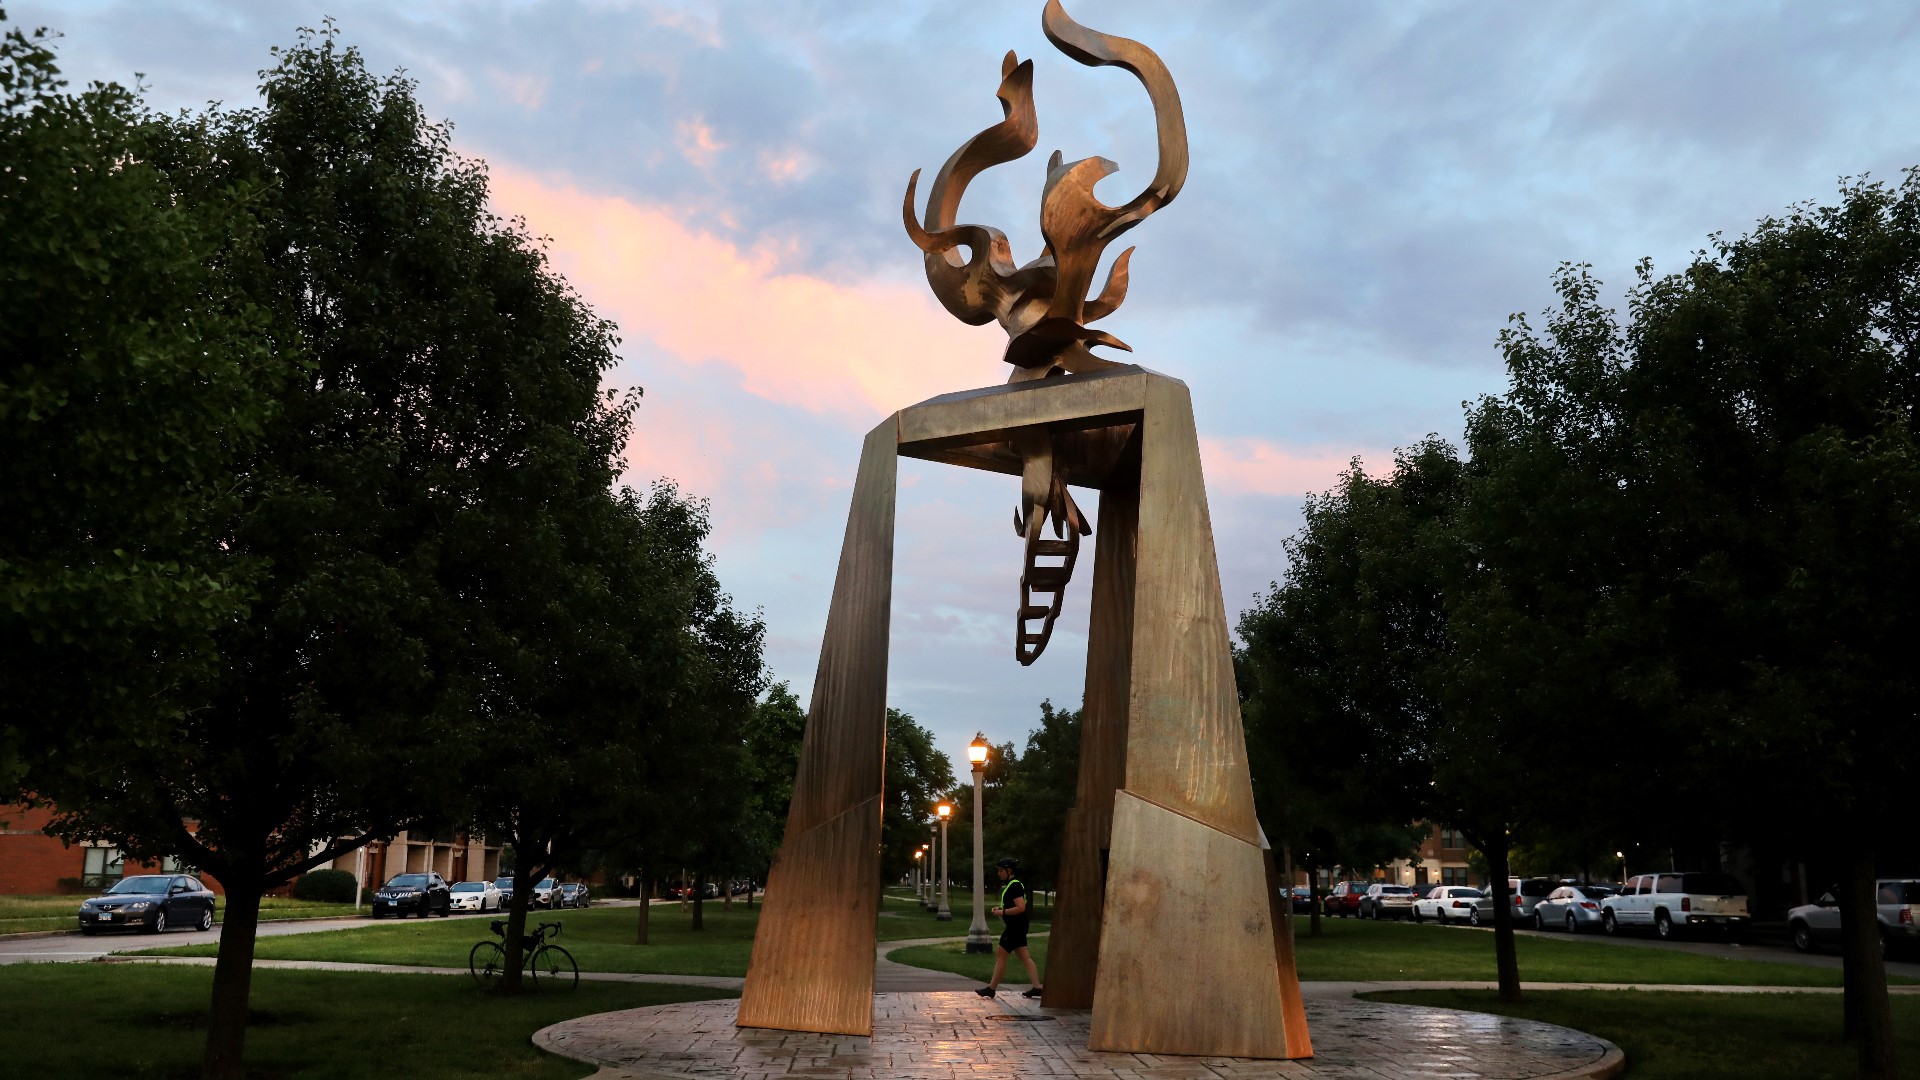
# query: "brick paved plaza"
947, 1036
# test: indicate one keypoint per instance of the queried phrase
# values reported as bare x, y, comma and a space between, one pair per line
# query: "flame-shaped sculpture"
1043, 305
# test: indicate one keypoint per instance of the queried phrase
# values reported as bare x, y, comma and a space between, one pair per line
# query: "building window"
1451, 840
100, 866
172, 864
1453, 875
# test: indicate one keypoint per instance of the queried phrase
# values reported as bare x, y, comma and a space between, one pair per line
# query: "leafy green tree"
1027, 815
429, 367
774, 733
1335, 672
619, 680
917, 775
132, 386
1759, 408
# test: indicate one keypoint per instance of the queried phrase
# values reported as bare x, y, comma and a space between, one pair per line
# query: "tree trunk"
516, 929
726, 903
646, 909
232, 982
1869, 1015
1286, 879
1505, 962
699, 904
1313, 899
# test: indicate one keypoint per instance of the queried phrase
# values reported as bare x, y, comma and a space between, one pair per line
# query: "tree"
774, 733
917, 774
1334, 672
1760, 409
619, 679
1028, 814
131, 386
426, 355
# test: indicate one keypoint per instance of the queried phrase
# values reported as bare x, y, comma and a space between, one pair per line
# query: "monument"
1168, 925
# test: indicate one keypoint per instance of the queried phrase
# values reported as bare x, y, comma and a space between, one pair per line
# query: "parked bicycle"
546, 964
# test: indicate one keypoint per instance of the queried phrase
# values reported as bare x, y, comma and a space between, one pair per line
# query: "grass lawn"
1350, 949
953, 957
1670, 1036
149, 1023
601, 939
24, 914
1368, 951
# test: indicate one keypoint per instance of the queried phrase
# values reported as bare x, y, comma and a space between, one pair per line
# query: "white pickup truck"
1670, 903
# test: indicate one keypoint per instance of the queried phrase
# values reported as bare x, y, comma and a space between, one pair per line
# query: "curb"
29, 935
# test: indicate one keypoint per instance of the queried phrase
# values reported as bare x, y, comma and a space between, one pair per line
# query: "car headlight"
139, 905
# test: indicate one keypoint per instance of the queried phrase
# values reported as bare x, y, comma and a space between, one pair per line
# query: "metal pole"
946, 913
933, 840
978, 940
359, 870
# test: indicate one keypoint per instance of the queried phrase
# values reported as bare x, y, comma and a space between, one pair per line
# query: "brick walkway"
950, 1036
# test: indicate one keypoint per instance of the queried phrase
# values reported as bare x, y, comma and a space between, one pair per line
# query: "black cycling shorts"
1011, 939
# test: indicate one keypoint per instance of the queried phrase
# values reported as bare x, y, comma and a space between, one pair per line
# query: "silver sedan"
1572, 908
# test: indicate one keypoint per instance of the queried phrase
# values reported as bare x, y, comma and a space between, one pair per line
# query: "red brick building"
33, 863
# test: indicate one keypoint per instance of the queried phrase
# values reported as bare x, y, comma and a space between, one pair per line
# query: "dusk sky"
1374, 188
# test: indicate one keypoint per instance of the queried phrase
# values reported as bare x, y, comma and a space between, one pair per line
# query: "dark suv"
418, 894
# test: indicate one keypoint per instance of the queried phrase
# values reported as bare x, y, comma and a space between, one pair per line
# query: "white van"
1669, 903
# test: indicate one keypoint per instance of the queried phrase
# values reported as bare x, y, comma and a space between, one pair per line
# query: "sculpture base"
960, 1036
979, 946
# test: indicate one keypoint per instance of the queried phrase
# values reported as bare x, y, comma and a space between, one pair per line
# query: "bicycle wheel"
487, 963
552, 968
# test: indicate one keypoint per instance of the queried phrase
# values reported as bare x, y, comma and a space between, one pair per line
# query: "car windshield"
1712, 884
1465, 893
408, 881
1596, 892
546, 884
504, 884
470, 886
1395, 890
145, 886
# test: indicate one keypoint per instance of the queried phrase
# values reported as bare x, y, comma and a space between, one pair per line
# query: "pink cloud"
1250, 466
854, 350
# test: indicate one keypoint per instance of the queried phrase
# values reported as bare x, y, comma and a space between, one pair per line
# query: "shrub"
325, 886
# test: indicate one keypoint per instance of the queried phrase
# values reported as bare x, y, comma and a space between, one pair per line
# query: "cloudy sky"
1375, 187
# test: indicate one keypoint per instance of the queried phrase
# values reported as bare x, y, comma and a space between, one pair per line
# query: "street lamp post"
1622, 856
933, 862
945, 812
978, 941
919, 872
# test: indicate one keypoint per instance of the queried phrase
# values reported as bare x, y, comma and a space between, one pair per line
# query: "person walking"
1013, 911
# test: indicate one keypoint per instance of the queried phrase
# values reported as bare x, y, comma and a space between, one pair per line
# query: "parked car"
1670, 903
1818, 923
1450, 903
149, 902
1525, 893
421, 894
1383, 901
505, 885
543, 893
1301, 897
573, 894
479, 896
1572, 908
1344, 898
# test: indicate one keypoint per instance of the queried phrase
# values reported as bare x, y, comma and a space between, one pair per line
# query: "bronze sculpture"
1168, 924
1043, 304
